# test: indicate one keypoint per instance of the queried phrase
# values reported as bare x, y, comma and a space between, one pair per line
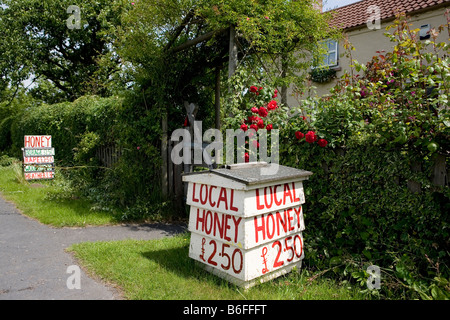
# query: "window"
331, 56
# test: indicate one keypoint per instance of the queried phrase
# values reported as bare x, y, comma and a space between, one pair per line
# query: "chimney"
318, 5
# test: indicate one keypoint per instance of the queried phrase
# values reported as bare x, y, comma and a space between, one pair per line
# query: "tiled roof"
356, 14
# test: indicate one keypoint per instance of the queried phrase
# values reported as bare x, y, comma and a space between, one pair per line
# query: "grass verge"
162, 270
148, 270
49, 201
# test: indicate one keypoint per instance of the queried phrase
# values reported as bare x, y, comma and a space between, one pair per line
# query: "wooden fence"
109, 155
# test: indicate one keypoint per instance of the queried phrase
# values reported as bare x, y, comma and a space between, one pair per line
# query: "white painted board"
245, 203
246, 232
246, 265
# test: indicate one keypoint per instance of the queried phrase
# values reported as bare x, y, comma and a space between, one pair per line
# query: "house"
365, 22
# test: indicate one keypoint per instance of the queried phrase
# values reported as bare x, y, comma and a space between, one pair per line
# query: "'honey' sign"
246, 227
38, 158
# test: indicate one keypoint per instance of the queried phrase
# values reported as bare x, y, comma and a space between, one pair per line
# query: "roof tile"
356, 14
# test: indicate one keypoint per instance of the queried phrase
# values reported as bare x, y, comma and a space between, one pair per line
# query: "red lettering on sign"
298, 213
293, 191
271, 196
277, 223
283, 222
268, 205
236, 227
210, 192
208, 214
275, 195
287, 193
223, 197
217, 224
232, 208
48, 141
261, 228
259, 206
203, 200
270, 230
290, 218
193, 194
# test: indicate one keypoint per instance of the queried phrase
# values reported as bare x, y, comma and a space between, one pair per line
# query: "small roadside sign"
38, 157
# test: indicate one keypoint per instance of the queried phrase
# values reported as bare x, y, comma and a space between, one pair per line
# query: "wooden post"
439, 177
233, 53
217, 98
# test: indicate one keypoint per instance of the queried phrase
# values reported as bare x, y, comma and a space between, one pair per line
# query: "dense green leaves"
37, 43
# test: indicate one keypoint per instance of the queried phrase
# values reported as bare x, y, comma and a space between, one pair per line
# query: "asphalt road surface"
34, 264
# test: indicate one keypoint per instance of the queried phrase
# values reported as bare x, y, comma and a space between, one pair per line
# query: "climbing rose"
244, 127
272, 105
260, 124
311, 137
263, 112
255, 110
254, 127
269, 127
247, 157
253, 89
299, 135
322, 143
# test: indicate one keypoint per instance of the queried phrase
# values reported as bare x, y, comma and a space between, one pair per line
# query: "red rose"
272, 105
322, 143
255, 110
299, 135
244, 127
260, 124
254, 127
253, 89
262, 112
269, 127
311, 137
247, 157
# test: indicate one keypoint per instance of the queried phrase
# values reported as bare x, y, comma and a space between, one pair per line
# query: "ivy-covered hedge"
70, 125
80, 128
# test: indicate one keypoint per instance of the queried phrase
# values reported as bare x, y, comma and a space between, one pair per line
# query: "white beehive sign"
246, 227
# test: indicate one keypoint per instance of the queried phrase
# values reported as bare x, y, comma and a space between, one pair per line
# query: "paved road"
33, 263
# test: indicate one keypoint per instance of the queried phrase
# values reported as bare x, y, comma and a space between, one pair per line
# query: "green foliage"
322, 75
64, 63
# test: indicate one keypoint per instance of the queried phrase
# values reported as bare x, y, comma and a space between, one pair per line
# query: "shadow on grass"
177, 260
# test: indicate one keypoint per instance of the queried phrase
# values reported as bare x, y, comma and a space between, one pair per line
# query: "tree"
175, 47
41, 41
